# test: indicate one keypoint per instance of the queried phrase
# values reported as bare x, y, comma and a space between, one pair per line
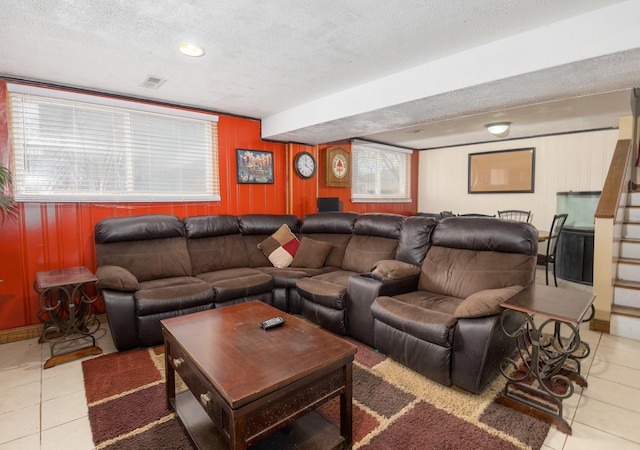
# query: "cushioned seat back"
486, 234
415, 239
255, 228
333, 227
472, 254
131, 242
375, 237
215, 243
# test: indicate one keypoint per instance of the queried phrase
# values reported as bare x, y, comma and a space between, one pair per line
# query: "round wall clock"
305, 165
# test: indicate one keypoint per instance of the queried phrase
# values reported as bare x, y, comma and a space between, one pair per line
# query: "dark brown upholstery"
467, 256
391, 281
375, 237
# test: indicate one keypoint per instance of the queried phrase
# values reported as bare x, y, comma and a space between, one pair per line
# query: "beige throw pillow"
280, 247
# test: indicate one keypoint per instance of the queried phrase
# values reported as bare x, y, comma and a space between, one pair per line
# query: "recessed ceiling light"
191, 49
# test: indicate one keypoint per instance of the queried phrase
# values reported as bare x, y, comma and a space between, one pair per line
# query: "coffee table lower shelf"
312, 431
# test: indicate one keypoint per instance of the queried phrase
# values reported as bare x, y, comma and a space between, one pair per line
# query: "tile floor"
46, 409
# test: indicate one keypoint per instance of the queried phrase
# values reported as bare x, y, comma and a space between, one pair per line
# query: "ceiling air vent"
153, 82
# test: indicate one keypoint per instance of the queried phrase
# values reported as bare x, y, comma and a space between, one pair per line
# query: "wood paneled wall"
570, 162
48, 236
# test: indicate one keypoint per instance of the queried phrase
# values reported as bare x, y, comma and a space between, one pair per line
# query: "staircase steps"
629, 248
625, 311
628, 269
631, 229
633, 213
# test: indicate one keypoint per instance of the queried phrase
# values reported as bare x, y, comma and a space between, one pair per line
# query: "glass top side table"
547, 361
67, 312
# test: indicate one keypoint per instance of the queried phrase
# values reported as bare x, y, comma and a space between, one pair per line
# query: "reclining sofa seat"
389, 277
221, 257
424, 329
326, 298
137, 293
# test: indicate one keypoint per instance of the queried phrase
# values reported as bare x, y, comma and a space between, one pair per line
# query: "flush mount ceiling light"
498, 128
191, 49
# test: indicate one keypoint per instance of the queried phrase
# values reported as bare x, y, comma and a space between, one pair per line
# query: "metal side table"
547, 362
67, 312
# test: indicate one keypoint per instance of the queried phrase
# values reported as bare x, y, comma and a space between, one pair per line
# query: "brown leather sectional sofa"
423, 292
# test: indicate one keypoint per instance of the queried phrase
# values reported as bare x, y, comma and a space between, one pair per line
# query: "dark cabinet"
574, 255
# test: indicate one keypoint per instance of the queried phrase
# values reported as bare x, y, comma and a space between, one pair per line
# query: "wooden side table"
547, 364
66, 311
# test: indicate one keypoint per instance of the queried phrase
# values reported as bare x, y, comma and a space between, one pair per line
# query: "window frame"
208, 188
378, 196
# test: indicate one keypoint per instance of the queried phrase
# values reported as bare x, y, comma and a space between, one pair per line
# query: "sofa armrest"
361, 293
121, 314
391, 268
116, 278
479, 346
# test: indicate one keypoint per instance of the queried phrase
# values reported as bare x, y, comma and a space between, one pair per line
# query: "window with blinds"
380, 173
71, 147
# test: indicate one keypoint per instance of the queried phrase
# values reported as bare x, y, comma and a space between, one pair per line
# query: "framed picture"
337, 167
504, 171
254, 166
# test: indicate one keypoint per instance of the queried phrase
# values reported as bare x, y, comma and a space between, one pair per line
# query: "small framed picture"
254, 166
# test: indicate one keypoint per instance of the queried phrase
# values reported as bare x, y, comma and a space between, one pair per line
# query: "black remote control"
272, 323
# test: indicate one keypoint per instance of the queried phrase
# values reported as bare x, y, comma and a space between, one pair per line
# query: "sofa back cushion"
459, 272
486, 234
132, 242
471, 254
215, 243
363, 252
375, 237
218, 253
415, 239
333, 227
255, 228
149, 259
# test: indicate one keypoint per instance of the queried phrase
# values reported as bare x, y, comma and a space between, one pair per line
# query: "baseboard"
31, 331
602, 326
20, 333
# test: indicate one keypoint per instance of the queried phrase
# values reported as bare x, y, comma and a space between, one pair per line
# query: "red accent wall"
344, 194
47, 236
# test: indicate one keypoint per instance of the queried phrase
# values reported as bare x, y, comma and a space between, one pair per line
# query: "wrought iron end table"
546, 364
66, 310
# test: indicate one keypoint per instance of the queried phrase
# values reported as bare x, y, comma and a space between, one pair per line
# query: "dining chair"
552, 245
445, 214
515, 214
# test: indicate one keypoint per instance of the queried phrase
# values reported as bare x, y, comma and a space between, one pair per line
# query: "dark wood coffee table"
248, 386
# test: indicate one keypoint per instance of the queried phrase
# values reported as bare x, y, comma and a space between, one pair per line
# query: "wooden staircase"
625, 311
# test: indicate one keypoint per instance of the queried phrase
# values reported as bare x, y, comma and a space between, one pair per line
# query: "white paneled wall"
571, 162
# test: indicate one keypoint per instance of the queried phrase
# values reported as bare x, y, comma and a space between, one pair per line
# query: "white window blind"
380, 173
70, 147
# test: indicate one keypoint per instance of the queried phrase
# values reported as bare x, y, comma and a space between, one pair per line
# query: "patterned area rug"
393, 408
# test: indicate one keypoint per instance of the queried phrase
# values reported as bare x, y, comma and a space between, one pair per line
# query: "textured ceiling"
417, 73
